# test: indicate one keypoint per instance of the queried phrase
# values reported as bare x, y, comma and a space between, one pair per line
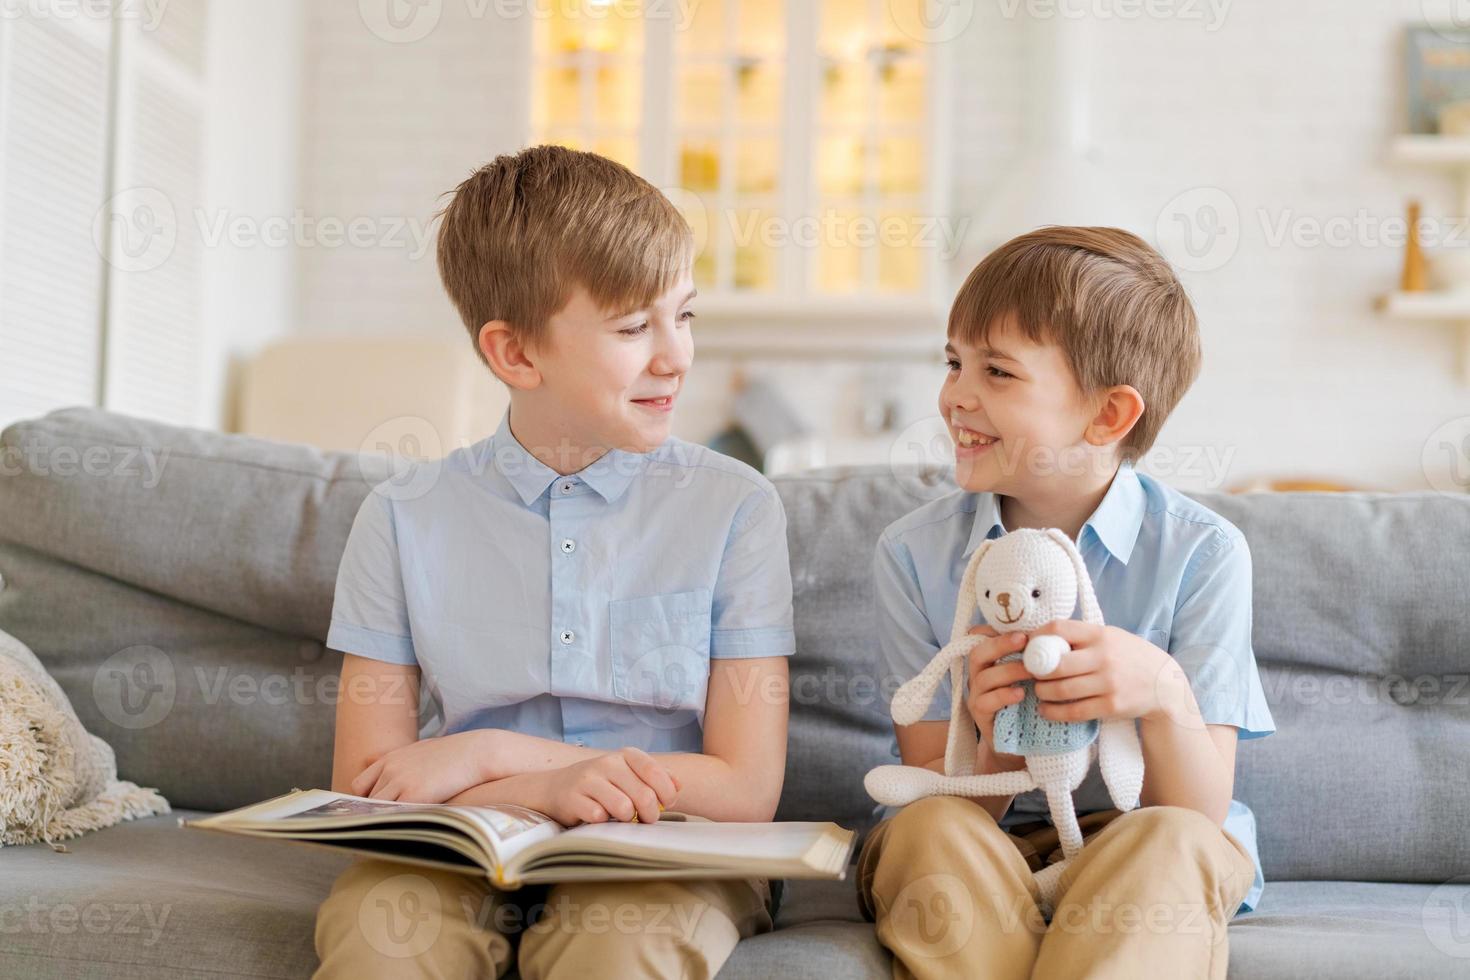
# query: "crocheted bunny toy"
1020, 581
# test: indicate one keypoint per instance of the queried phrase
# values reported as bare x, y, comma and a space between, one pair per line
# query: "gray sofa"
178, 584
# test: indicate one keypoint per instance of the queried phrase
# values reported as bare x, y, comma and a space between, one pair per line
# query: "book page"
773, 841
504, 828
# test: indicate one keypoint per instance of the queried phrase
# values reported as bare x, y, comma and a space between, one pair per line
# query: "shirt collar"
1115, 522
609, 475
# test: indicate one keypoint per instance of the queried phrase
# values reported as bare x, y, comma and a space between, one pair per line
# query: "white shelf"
1431, 151
1428, 305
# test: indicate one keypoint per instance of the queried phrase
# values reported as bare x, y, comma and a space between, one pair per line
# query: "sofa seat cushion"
146, 899
1354, 929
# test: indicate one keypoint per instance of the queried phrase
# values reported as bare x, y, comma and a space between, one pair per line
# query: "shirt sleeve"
1210, 637
369, 612
751, 613
906, 641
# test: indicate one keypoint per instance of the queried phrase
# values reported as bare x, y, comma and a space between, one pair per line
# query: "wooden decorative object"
1415, 278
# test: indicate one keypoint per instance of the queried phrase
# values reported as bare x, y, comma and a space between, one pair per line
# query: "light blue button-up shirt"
1164, 567
584, 608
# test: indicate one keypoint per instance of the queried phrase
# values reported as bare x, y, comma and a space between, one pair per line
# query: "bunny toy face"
1025, 580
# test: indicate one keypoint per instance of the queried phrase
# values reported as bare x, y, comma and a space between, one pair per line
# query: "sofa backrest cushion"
178, 584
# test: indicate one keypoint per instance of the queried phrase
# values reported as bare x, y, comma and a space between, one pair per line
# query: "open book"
514, 846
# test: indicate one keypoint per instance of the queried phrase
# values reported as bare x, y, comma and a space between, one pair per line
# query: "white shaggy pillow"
57, 780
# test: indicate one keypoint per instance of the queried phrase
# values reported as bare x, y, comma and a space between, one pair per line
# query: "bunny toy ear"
1091, 612
964, 607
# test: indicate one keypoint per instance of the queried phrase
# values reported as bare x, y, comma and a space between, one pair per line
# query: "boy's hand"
430, 770
619, 785
1110, 674
993, 686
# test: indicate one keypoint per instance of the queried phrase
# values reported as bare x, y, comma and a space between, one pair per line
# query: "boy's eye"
952, 364
633, 331
687, 316
996, 372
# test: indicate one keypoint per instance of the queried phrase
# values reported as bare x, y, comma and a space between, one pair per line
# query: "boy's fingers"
1074, 631
999, 675
992, 701
1071, 688
645, 765
613, 800
363, 779
987, 653
663, 784
657, 778
1083, 660
1085, 710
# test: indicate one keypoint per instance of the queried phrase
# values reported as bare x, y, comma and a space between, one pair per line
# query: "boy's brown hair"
526, 228
1109, 301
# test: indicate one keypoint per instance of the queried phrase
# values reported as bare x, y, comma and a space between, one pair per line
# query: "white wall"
253, 165
1280, 110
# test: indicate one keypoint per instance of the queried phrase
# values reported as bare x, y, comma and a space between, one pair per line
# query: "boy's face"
1015, 413
610, 379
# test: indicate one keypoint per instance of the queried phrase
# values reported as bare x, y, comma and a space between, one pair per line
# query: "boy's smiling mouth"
970, 442
662, 404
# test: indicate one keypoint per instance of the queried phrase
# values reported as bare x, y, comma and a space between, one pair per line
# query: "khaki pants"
384, 919
1149, 896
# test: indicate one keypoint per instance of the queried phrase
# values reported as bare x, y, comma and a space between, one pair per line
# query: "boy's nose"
965, 401
671, 358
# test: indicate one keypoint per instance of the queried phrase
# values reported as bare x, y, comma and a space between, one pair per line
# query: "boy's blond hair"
522, 231
1109, 301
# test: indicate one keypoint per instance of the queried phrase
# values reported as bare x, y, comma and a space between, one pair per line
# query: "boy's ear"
1119, 409
508, 355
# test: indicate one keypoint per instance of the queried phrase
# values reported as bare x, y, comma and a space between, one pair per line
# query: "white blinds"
154, 308
53, 147
101, 131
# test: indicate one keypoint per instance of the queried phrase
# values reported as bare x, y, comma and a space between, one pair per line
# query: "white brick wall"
1286, 107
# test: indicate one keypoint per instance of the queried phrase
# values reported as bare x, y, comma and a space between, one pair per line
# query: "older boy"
603, 611
1068, 348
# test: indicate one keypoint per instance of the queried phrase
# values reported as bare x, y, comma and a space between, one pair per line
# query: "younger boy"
1068, 348
603, 611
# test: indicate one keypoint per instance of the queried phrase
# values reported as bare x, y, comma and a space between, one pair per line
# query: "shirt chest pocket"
660, 649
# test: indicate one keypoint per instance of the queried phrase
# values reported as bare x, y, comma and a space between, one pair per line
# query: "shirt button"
566, 488
579, 742
568, 636
568, 546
